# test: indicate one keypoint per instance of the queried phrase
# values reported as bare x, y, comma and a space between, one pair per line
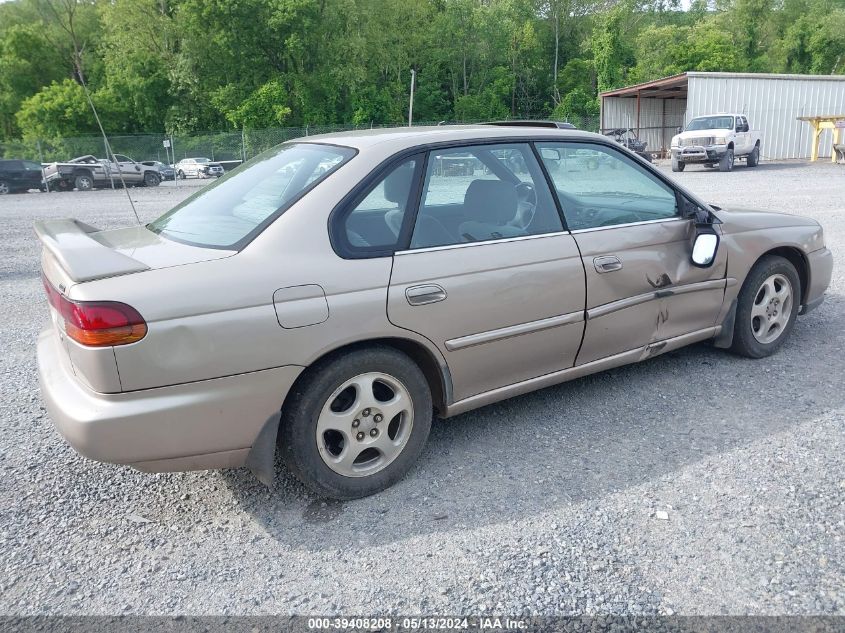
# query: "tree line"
180, 66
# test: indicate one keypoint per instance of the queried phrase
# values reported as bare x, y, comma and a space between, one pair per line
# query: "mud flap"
261, 458
725, 338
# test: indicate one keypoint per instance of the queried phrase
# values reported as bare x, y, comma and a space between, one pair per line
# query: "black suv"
20, 175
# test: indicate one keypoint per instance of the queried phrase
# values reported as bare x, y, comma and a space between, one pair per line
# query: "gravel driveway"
694, 483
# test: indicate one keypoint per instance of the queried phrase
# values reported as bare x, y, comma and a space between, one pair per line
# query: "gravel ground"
694, 483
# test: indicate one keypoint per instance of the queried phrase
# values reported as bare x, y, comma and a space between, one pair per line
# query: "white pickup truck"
716, 139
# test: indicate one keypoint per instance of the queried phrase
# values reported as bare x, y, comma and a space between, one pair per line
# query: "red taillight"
97, 323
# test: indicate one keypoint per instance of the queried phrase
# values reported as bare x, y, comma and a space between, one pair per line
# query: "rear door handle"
422, 295
607, 264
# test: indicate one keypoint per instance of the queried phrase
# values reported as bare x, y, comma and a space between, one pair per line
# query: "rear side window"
483, 192
376, 222
230, 212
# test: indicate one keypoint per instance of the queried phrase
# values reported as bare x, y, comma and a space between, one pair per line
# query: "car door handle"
607, 264
422, 295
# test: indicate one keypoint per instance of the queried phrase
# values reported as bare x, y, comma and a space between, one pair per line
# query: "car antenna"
109, 153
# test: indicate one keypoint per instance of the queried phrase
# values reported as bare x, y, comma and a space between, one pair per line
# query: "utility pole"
411, 104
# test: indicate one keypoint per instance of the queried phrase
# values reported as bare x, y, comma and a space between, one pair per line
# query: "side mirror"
679, 129
550, 153
704, 247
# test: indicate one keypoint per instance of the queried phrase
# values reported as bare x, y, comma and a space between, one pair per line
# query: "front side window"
600, 186
375, 223
30, 166
238, 205
483, 192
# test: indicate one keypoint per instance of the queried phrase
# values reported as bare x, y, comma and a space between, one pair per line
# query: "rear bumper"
193, 426
821, 270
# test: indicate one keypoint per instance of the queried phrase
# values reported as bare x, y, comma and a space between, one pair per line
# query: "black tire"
744, 341
754, 157
727, 161
180, 175
5, 188
151, 179
678, 165
298, 427
83, 182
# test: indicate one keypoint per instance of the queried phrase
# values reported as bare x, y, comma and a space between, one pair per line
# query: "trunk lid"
84, 253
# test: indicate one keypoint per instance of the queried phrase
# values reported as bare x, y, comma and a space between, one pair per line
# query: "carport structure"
654, 110
773, 103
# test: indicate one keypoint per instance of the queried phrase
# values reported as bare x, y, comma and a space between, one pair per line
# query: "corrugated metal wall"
655, 129
771, 104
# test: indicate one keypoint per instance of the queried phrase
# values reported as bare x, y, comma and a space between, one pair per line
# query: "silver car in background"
198, 168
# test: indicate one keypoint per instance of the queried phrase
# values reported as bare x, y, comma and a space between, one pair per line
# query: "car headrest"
397, 185
490, 201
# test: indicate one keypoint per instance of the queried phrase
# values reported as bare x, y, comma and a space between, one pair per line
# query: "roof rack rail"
561, 125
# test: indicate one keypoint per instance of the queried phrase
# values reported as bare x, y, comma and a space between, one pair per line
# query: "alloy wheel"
365, 424
772, 309
4, 189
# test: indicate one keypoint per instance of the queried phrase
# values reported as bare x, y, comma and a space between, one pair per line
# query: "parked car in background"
17, 176
361, 299
198, 168
627, 138
167, 172
88, 172
716, 139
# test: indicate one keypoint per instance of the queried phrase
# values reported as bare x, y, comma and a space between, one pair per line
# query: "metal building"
771, 102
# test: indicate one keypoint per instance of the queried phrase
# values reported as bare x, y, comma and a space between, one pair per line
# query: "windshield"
231, 211
711, 123
200, 160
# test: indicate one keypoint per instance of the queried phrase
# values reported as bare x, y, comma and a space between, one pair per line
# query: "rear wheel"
84, 182
4, 188
754, 157
678, 165
727, 161
354, 425
767, 307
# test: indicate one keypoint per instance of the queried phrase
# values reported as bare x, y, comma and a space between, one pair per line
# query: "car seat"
491, 206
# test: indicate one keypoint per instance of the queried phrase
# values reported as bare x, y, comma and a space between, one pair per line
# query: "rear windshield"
230, 212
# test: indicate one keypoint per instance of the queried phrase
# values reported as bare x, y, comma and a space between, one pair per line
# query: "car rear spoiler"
81, 256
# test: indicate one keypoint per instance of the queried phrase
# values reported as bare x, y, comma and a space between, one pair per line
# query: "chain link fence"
232, 146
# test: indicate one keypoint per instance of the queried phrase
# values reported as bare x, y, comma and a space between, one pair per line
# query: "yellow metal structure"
827, 122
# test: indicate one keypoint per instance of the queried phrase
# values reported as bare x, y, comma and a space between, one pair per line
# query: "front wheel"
678, 165
354, 425
151, 179
4, 188
767, 307
180, 175
727, 161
